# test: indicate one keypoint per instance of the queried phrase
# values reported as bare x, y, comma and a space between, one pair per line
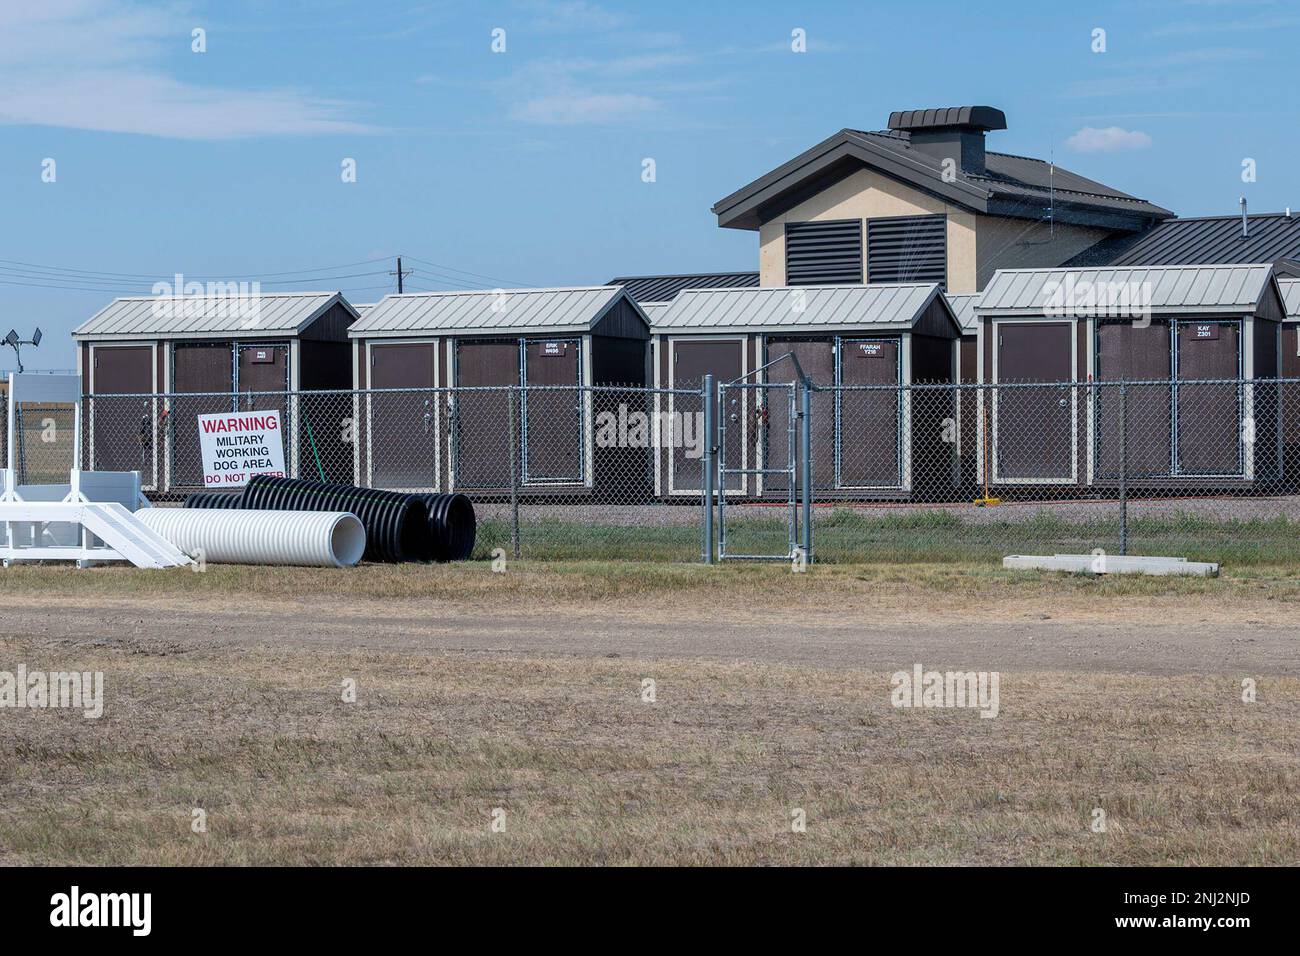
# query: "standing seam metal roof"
275, 313
1290, 289
665, 288
1204, 288
963, 306
1215, 240
488, 310
654, 310
845, 306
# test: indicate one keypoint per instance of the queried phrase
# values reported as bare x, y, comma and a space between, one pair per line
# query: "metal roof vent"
952, 132
1245, 223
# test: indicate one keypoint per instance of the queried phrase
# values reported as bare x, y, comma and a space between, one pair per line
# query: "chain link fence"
554, 472
44, 442
1201, 469
1206, 469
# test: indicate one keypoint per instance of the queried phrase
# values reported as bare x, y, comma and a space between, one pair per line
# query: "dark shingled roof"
1215, 239
665, 288
1015, 186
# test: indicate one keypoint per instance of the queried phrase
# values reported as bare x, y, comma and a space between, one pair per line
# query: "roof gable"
803, 308
236, 316
1103, 292
492, 311
963, 307
1290, 289
1014, 186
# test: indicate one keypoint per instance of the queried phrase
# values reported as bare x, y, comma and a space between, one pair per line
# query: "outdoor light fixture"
14, 342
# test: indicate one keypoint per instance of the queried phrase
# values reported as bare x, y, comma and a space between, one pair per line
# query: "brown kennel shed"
968, 409
1290, 397
222, 351
570, 338
884, 443
1203, 340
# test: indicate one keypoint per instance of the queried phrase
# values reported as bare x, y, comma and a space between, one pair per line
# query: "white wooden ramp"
61, 522
125, 537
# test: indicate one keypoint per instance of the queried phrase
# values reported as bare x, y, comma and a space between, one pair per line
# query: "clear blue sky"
525, 166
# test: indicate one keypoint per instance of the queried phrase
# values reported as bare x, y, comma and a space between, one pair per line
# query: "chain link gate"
763, 455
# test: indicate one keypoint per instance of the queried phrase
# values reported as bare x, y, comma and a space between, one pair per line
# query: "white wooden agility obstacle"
88, 520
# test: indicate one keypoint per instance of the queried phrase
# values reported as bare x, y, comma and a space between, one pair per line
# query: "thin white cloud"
1111, 139
1128, 85
572, 109
1213, 55
90, 64
559, 92
570, 16
1248, 25
618, 88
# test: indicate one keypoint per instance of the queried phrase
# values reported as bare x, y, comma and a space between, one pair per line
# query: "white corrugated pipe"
313, 538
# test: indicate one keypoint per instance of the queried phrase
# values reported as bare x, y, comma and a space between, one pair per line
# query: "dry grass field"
524, 692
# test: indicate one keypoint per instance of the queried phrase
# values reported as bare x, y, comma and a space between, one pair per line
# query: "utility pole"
400, 275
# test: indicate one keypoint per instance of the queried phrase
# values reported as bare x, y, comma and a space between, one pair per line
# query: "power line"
25, 274
22, 273
151, 277
476, 275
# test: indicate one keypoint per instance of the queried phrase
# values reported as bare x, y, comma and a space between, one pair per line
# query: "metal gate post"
514, 479
710, 464
1123, 468
805, 470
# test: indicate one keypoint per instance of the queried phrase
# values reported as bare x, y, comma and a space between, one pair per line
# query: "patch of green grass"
844, 535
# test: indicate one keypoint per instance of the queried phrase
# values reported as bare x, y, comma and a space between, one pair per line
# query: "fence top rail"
449, 390
761, 385
455, 390
1093, 384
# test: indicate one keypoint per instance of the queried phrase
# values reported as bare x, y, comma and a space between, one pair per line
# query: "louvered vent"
823, 253
908, 249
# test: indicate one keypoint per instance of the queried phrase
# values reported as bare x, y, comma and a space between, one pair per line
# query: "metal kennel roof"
1290, 296
654, 310
799, 308
665, 288
154, 317
1166, 289
489, 311
963, 306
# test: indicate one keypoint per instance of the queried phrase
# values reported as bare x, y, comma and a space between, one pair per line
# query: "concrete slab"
1111, 564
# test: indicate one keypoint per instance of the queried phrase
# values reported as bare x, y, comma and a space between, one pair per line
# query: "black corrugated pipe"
214, 499
397, 524
451, 525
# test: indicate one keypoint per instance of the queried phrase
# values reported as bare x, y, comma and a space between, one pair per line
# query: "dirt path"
1138, 639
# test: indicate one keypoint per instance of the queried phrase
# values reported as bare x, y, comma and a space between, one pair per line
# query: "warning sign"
237, 445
